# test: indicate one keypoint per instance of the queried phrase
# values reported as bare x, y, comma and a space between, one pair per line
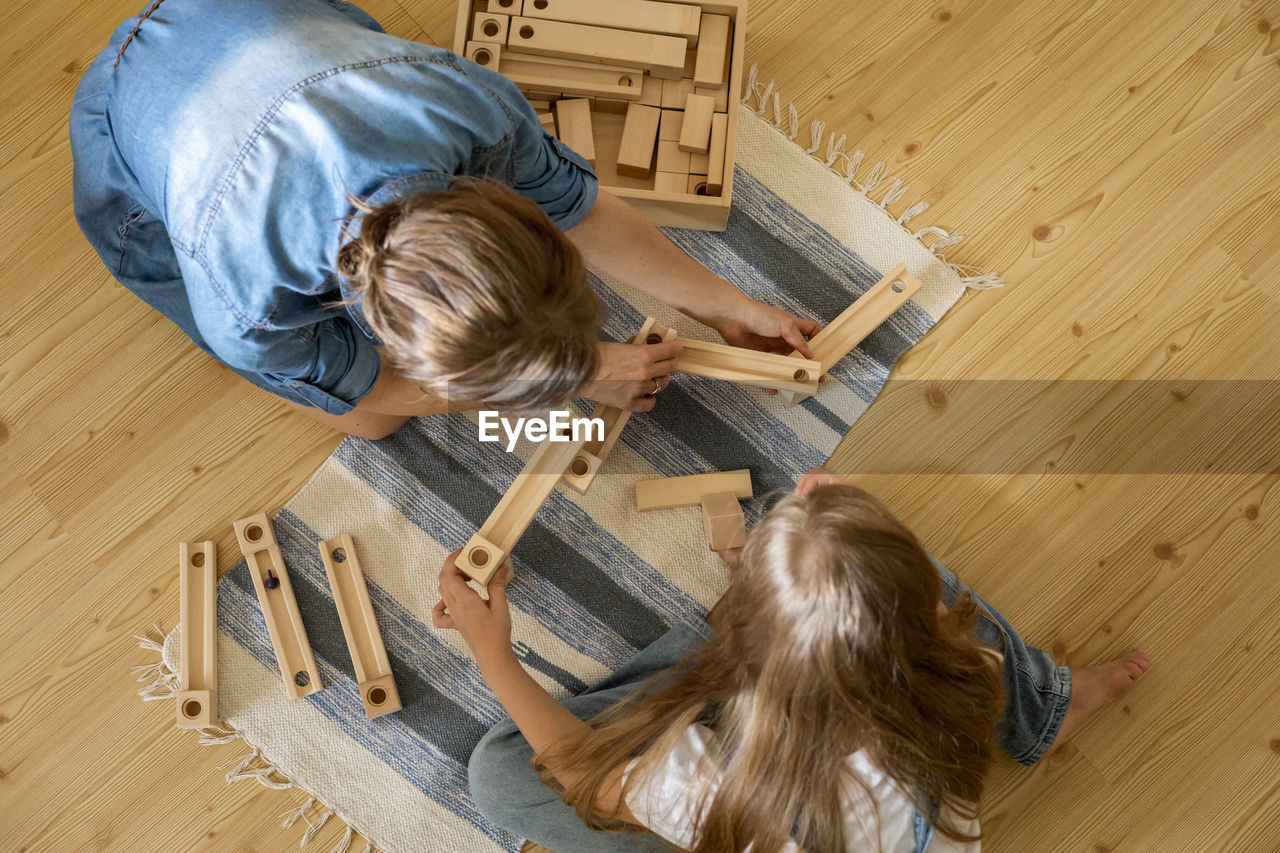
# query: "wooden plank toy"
838, 338
485, 53
716, 153
663, 56
690, 490
673, 19
198, 649
713, 50
723, 521
279, 607
639, 133
573, 122
695, 131
368, 655
582, 470
485, 552
737, 364
533, 73
504, 7
490, 28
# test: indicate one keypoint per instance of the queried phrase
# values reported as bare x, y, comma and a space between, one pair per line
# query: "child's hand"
819, 477
485, 625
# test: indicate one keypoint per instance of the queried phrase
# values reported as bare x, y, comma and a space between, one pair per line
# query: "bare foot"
1095, 686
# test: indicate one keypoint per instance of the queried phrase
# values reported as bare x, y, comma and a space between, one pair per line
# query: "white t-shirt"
664, 802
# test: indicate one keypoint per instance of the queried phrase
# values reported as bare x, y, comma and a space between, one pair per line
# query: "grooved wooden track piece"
490, 28
485, 551
838, 338
663, 56
723, 521
279, 607
573, 126
485, 53
716, 153
737, 364
672, 19
691, 489
503, 7
713, 50
582, 470
639, 134
532, 72
695, 130
360, 627
197, 693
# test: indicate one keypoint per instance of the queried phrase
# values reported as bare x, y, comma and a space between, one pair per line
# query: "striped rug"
594, 579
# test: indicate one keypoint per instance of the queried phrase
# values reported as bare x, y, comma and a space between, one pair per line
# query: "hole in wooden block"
197, 559
700, 189
377, 696
507, 4
579, 467
301, 678
897, 285
478, 557
539, 4
624, 80
192, 708
482, 57
339, 555
654, 338
253, 533
526, 32
801, 375
491, 28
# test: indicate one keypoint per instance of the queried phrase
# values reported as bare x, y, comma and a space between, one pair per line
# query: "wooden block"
582, 470
750, 367
690, 490
360, 627
485, 552
719, 94
548, 122
695, 131
489, 28
573, 122
670, 182
716, 148
697, 185
663, 56
838, 338
504, 7
651, 91
533, 73
672, 19
698, 164
540, 105
279, 607
639, 133
485, 53
197, 693
609, 105
690, 63
723, 521
675, 93
669, 127
672, 159
713, 50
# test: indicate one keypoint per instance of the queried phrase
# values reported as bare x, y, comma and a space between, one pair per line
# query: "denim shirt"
245, 126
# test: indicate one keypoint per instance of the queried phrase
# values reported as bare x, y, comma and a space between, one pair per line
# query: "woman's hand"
819, 477
631, 375
757, 326
484, 625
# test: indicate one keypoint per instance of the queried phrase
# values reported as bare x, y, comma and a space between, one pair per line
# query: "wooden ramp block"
639, 135
690, 490
715, 153
359, 626
504, 7
723, 521
279, 607
489, 28
713, 50
672, 19
485, 53
695, 131
751, 367
485, 552
582, 470
533, 73
573, 122
663, 56
198, 649
838, 338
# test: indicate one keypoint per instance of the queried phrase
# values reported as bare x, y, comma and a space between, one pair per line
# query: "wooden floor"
1119, 162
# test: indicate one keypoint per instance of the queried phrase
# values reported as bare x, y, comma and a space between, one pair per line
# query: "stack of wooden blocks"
646, 90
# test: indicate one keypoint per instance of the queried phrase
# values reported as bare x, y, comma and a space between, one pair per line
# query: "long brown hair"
476, 295
828, 641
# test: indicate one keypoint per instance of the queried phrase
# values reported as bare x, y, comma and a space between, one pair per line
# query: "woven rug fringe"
764, 100
162, 683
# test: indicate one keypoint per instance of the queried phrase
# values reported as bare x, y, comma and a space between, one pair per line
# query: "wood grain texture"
1119, 163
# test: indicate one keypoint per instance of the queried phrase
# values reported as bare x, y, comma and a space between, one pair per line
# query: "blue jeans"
508, 791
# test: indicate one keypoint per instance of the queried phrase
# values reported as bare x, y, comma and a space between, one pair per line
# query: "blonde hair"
827, 642
476, 295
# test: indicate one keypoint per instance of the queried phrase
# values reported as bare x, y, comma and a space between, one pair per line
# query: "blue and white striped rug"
594, 580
